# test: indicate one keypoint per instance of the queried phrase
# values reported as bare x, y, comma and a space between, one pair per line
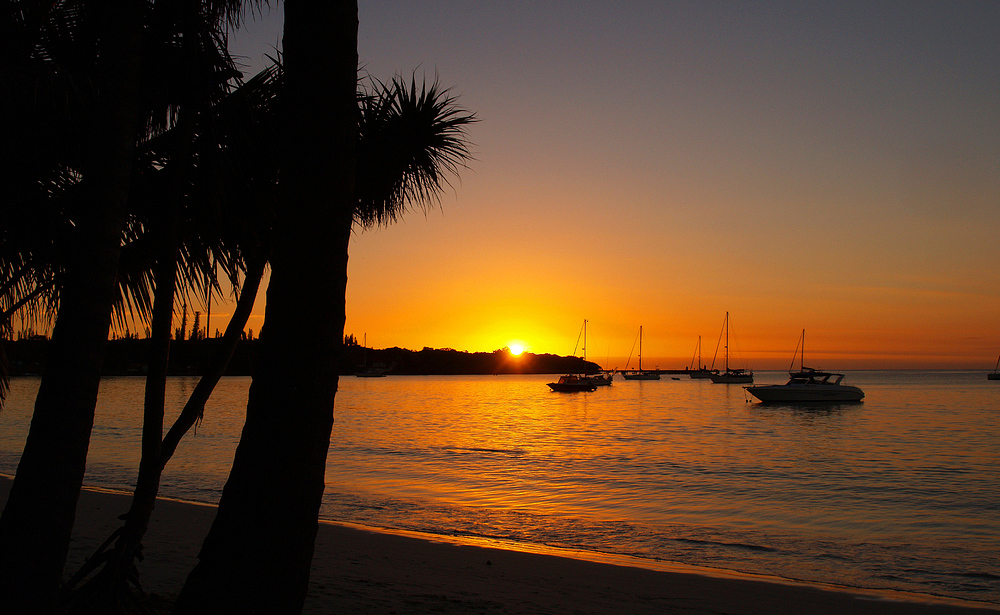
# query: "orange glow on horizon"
705, 193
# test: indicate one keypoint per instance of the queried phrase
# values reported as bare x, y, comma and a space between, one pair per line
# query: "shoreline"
371, 570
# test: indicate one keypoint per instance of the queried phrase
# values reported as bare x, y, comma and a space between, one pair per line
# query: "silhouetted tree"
276, 483
169, 196
37, 521
89, 53
409, 141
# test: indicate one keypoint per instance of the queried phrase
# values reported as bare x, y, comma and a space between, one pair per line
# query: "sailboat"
602, 379
373, 371
571, 383
640, 374
996, 372
700, 371
807, 384
730, 376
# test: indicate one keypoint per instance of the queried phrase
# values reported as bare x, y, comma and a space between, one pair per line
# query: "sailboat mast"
640, 348
802, 357
697, 353
727, 341
584, 339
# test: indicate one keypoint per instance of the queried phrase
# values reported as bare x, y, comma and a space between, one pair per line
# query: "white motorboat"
807, 385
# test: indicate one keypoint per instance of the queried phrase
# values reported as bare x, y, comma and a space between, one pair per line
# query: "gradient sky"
818, 165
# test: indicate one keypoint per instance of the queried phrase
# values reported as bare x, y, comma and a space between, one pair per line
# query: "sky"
833, 167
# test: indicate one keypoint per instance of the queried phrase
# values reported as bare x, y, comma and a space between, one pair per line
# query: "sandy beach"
356, 570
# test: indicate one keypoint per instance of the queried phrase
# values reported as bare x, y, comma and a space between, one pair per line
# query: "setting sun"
515, 348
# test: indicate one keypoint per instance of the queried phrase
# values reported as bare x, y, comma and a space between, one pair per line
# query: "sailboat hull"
641, 375
700, 374
729, 378
600, 380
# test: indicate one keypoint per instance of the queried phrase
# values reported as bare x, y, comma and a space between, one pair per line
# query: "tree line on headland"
129, 357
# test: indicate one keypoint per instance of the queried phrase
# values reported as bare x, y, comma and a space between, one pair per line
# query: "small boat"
996, 372
582, 382
701, 372
373, 371
732, 376
640, 374
602, 379
571, 384
729, 376
807, 385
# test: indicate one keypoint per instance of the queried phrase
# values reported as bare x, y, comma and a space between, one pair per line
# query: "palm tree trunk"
257, 554
37, 521
110, 584
110, 588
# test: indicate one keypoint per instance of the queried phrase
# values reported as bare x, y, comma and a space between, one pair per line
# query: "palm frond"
410, 141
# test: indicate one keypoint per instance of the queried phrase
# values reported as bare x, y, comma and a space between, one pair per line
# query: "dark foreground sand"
362, 571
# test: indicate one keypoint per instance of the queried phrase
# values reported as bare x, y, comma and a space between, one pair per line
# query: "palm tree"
187, 242
199, 76
37, 521
409, 141
85, 60
276, 483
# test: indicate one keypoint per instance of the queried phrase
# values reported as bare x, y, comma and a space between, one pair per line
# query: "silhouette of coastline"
127, 357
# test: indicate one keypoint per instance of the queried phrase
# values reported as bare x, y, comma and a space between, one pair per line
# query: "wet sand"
357, 570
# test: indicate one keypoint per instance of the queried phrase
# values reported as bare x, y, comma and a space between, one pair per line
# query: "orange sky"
801, 165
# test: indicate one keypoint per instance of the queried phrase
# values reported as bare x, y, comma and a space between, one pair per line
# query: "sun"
515, 348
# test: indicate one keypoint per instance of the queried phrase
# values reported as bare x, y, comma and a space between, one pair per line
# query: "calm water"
901, 491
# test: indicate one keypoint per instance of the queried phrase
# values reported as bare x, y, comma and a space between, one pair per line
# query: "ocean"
900, 491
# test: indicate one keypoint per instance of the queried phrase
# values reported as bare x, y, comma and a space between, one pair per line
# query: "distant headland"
127, 357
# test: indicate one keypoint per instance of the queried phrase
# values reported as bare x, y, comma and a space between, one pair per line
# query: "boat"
996, 372
640, 374
702, 371
807, 385
730, 375
375, 371
602, 379
372, 372
571, 384
581, 382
